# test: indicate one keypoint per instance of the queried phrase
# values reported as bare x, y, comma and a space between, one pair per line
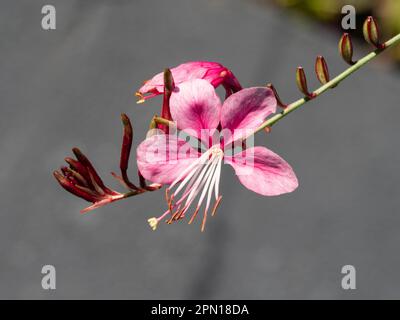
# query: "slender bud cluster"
345, 46
82, 180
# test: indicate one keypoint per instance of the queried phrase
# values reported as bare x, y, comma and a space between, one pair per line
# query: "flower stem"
334, 82
131, 193
152, 187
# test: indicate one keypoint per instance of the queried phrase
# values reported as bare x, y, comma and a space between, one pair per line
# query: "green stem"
334, 82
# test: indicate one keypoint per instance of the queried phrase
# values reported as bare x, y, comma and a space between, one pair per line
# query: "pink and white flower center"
198, 181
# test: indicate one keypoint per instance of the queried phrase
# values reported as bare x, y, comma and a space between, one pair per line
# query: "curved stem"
334, 82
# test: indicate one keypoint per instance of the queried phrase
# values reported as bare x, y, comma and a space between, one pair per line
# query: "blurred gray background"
66, 88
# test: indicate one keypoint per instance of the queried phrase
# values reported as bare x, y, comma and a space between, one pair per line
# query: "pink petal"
263, 171
247, 109
195, 106
161, 162
213, 72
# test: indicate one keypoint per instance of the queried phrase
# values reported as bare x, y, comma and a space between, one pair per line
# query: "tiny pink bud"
301, 82
321, 70
346, 48
371, 32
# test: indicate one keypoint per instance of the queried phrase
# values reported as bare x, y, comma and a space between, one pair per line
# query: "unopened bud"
126, 142
80, 168
371, 32
96, 180
126, 150
301, 82
74, 176
321, 70
70, 187
168, 80
346, 48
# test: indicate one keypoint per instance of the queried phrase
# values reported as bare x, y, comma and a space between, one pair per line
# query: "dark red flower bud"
126, 142
82, 180
74, 176
301, 82
96, 180
126, 150
70, 187
371, 32
79, 168
321, 70
346, 48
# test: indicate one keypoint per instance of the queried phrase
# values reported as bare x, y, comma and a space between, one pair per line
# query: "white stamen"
200, 183
188, 169
217, 177
200, 177
209, 178
193, 184
188, 177
214, 183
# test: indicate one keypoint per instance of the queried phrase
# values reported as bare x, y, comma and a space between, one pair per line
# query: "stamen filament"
217, 177
201, 181
215, 162
200, 177
188, 169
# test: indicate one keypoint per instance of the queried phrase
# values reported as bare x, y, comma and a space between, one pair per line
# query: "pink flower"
197, 109
213, 72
